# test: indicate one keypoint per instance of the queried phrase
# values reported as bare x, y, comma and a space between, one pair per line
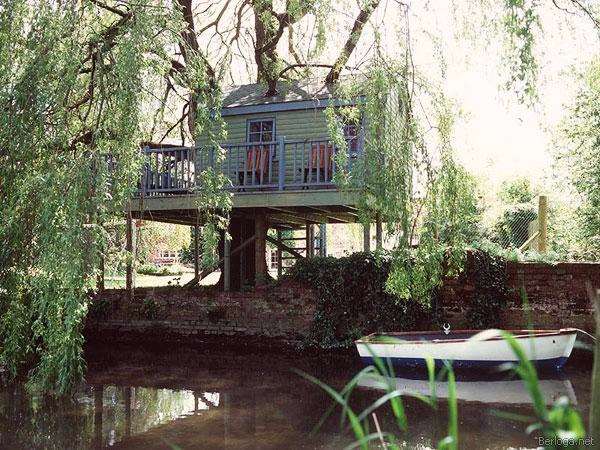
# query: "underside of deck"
284, 209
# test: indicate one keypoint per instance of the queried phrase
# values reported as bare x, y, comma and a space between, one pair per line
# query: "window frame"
249, 122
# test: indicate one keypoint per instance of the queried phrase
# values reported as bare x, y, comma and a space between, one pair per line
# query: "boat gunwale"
517, 334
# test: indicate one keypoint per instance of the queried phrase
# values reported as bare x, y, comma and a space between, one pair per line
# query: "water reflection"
485, 391
193, 400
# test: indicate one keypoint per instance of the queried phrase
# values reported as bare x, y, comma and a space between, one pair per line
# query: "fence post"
543, 224
281, 150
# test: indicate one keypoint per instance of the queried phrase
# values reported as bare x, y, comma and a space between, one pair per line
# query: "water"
194, 399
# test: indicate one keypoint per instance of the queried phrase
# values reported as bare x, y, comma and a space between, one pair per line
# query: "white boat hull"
549, 349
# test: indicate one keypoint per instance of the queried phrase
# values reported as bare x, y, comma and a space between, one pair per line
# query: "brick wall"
280, 314
283, 314
556, 294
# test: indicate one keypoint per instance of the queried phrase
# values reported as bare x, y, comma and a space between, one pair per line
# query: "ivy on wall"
352, 299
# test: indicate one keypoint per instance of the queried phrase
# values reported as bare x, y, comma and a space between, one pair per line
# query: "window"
352, 135
261, 130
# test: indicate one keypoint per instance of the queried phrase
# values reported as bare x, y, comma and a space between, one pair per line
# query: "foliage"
353, 300
73, 88
521, 21
151, 269
154, 236
580, 132
517, 190
149, 309
511, 229
491, 292
213, 200
406, 180
99, 308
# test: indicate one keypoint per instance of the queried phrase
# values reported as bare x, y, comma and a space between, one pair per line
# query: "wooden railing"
250, 166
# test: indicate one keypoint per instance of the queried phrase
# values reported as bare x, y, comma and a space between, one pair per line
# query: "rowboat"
512, 392
547, 349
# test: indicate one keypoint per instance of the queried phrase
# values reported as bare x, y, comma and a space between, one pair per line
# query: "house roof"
287, 91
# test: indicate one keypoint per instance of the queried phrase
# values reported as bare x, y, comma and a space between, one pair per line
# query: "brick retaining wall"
281, 313
284, 313
556, 294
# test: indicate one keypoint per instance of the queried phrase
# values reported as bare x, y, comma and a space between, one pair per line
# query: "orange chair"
321, 162
257, 163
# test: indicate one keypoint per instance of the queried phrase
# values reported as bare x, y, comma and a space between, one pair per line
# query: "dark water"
194, 399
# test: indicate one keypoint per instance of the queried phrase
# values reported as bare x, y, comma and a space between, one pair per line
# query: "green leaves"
408, 179
74, 84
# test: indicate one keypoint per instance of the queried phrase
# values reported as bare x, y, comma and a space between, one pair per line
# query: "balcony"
283, 165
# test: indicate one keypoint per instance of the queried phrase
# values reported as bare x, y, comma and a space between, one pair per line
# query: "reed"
559, 421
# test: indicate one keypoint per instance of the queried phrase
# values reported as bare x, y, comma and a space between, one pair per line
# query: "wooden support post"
227, 264
367, 237
260, 249
543, 224
310, 240
279, 256
378, 232
323, 239
196, 252
130, 255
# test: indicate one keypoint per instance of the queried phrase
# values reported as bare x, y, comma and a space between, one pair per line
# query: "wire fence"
523, 226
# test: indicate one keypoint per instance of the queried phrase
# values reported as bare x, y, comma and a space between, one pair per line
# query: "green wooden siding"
297, 125
300, 124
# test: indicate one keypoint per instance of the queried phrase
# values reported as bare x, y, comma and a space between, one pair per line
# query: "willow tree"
75, 86
580, 152
407, 179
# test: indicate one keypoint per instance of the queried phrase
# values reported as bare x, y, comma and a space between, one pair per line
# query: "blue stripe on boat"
410, 363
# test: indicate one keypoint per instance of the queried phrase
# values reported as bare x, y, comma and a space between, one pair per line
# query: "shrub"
149, 309
352, 299
491, 291
99, 308
151, 269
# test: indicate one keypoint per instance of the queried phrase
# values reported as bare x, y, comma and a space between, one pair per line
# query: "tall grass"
558, 423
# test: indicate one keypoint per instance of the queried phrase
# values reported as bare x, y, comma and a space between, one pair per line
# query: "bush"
99, 308
352, 300
491, 291
149, 309
151, 269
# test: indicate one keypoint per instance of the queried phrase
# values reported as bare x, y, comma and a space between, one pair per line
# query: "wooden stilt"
227, 265
310, 240
279, 256
260, 249
367, 237
323, 239
196, 252
378, 232
130, 255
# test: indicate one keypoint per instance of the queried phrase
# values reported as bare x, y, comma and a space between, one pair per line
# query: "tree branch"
359, 24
